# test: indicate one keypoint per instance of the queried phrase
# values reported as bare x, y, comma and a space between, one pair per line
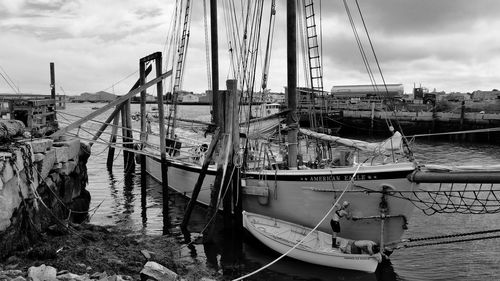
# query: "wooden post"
52, 82
128, 155
53, 91
142, 80
199, 182
236, 183
462, 118
163, 154
112, 141
292, 122
218, 182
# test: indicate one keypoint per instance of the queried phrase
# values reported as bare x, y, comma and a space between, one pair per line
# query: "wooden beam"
201, 177
105, 108
115, 112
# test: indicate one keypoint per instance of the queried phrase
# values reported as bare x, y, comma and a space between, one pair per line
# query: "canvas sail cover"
262, 128
391, 145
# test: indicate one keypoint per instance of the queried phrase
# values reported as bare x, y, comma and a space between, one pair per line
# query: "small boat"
317, 248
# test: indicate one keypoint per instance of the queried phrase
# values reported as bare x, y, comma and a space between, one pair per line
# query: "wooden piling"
52, 82
163, 153
112, 141
221, 164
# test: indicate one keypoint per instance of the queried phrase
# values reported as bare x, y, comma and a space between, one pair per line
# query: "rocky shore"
90, 252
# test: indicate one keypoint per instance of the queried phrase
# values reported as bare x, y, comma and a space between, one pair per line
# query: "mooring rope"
305, 237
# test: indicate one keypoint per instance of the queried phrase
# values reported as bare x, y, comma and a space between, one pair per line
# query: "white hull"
305, 196
281, 236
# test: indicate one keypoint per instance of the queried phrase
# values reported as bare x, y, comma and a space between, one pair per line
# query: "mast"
216, 115
292, 121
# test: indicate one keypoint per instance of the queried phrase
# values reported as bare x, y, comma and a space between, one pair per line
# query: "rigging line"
360, 47
13, 89
378, 64
305, 237
11, 81
372, 48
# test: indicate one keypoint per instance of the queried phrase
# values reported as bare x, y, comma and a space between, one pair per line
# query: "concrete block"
68, 167
61, 154
40, 146
38, 157
8, 172
47, 163
57, 166
72, 145
5, 155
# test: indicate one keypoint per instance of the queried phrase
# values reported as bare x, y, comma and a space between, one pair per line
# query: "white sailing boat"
303, 195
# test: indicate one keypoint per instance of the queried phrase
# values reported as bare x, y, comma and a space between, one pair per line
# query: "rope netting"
463, 198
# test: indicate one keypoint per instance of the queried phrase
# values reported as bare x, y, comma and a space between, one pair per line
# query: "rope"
305, 237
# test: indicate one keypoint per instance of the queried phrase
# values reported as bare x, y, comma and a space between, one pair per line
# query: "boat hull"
316, 248
306, 196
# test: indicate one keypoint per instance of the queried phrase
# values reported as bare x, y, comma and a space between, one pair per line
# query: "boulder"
42, 273
155, 271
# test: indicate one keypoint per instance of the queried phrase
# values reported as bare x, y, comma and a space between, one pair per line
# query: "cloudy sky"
449, 45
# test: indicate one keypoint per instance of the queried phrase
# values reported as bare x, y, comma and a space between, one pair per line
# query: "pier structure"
42, 184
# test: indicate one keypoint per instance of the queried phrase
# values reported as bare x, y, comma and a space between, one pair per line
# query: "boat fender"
263, 200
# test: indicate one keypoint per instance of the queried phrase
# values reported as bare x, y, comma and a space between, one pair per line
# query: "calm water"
478, 260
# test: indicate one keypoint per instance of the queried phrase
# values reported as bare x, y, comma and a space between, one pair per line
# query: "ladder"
179, 69
313, 52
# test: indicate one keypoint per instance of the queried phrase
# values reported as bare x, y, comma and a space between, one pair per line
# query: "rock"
42, 273
19, 278
12, 259
99, 275
117, 278
206, 279
11, 273
116, 262
12, 266
146, 254
73, 277
158, 272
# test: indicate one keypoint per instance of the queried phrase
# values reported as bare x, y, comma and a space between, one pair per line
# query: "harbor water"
116, 200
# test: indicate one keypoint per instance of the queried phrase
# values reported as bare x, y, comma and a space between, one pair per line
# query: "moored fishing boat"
316, 247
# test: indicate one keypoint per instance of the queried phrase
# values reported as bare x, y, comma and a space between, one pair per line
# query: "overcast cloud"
450, 45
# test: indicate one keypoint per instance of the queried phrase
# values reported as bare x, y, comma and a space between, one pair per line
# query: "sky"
447, 45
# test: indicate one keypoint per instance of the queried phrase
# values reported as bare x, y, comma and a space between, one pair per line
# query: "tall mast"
292, 121
215, 62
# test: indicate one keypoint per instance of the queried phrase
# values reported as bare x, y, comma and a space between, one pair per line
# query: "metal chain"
28, 163
448, 242
450, 235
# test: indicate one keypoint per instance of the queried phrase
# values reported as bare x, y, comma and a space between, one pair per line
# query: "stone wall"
40, 181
